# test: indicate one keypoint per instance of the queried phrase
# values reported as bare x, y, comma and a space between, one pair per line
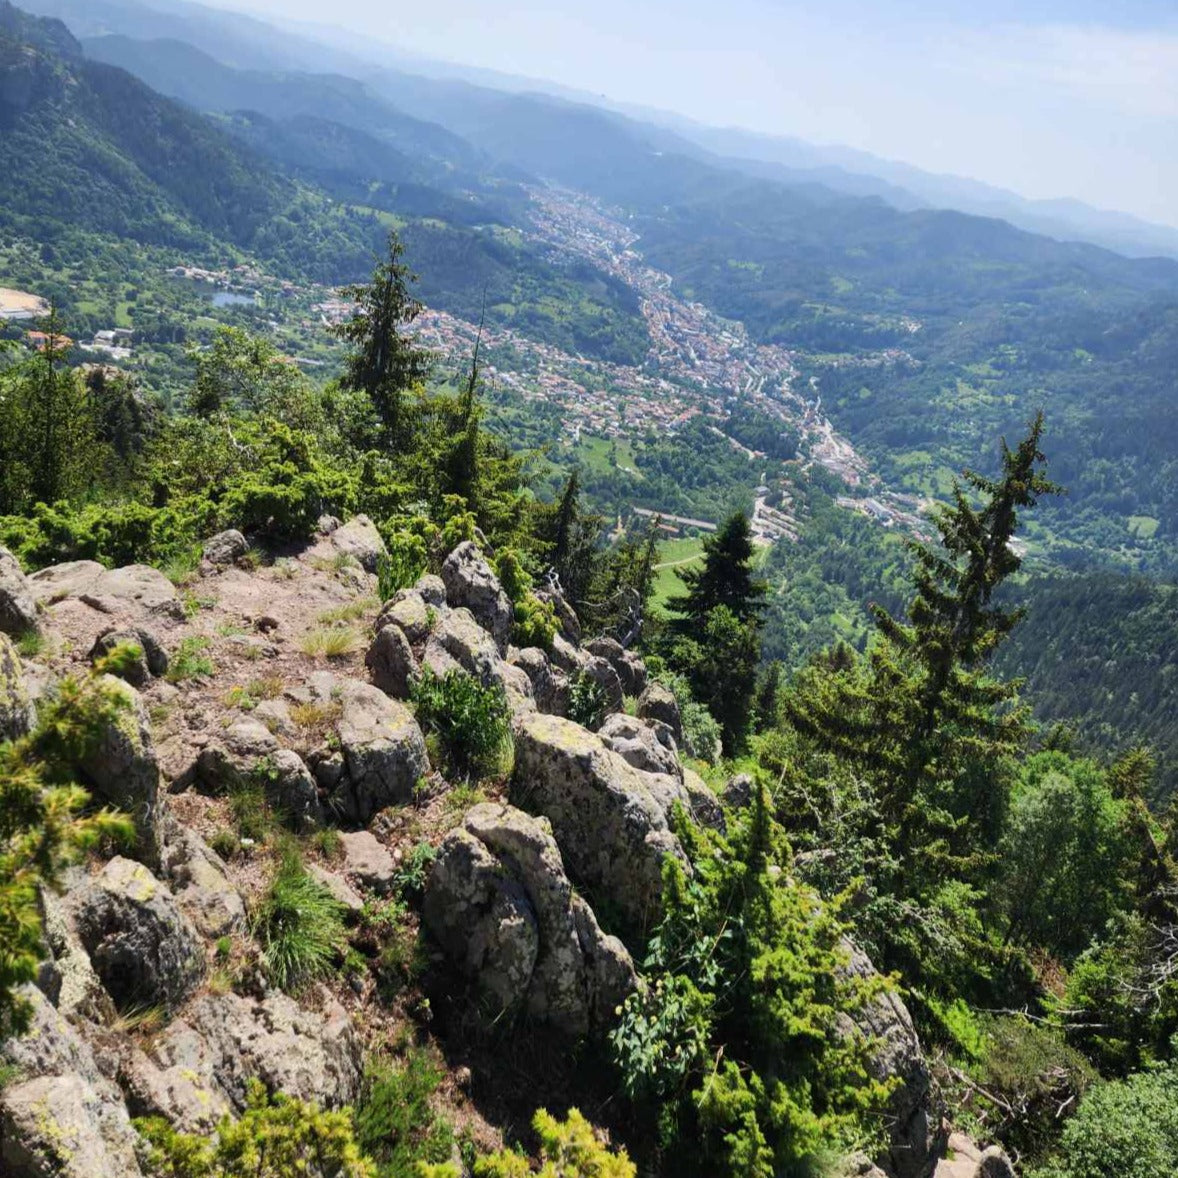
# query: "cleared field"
673, 555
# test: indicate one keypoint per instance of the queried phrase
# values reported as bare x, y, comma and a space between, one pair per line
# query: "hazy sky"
1047, 97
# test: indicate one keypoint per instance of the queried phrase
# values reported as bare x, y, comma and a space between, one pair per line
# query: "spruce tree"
726, 578
384, 361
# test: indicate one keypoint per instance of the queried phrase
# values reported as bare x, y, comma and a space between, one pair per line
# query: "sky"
1045, 97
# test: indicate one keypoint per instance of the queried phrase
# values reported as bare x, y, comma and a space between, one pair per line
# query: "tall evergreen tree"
385, 361
726, 578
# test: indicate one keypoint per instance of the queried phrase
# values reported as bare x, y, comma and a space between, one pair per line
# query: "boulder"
610, 819
565, 655
432, 590
53, 1052
738, 793
368, 862
248, 751
630, 668
341, 891
570, 624
470, 582
603, 674
18, 605
52, 1127
17, 712
639, 744
408, 610
391, 661
916, 1138
151, 663
141, 944
119, 764
66, 976
204, 1061
499, 901
704, 805
225, 547
137, 588
460, 643
966, 1160
359, 539
200, 882
380, 742
550, 687
657, 703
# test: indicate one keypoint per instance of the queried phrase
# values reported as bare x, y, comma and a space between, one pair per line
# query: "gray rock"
657, 703
225, 1040
341, 891
59, 581
499, 901
135, 588
738, 793
52, 1127
368, 862
326, 524
141, 944
630, 668
570, 624
460, 643
565, 655
610, 819
359, 539
470, 582
52, 1050
639, 744
432, 590
704, 805
151, 663
275, 715
120, 764
200, 882
17, 712
914, 1113
225, 547
18, 606
408, 611
383, 750
550, 687
66, 977
392, 662
603, 674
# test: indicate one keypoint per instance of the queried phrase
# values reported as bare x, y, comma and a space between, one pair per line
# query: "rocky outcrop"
703, 804
360, 540
152, 661
62, 1117
17, 713
499, 902
916, 1138
368, 862
630, 668
409, 612
66, 976
381, 749
391, 661
119, 764
570, 624
602, 672
550, 686
135, 589
201, 1064
225, 548
610, 819
739, 791
200, 882
18, 605
459, 643
639, 744
247, 751
966, 1160
141, 944
470, 583
657, 703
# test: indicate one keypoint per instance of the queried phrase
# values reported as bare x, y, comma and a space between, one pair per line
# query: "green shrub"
407, 559
535, 623
299, 925
190, 659
735, 1052
41, 823
587, 702
701, 732
395, 1124
1123, 1127
568, 1149
275, 1138
471, 721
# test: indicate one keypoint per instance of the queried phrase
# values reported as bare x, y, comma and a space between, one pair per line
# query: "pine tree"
726, 578
385, 361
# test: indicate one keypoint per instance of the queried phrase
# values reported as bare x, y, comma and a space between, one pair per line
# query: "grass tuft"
334, 643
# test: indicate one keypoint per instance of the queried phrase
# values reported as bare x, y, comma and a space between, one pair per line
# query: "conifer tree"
385, 361
726, 578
